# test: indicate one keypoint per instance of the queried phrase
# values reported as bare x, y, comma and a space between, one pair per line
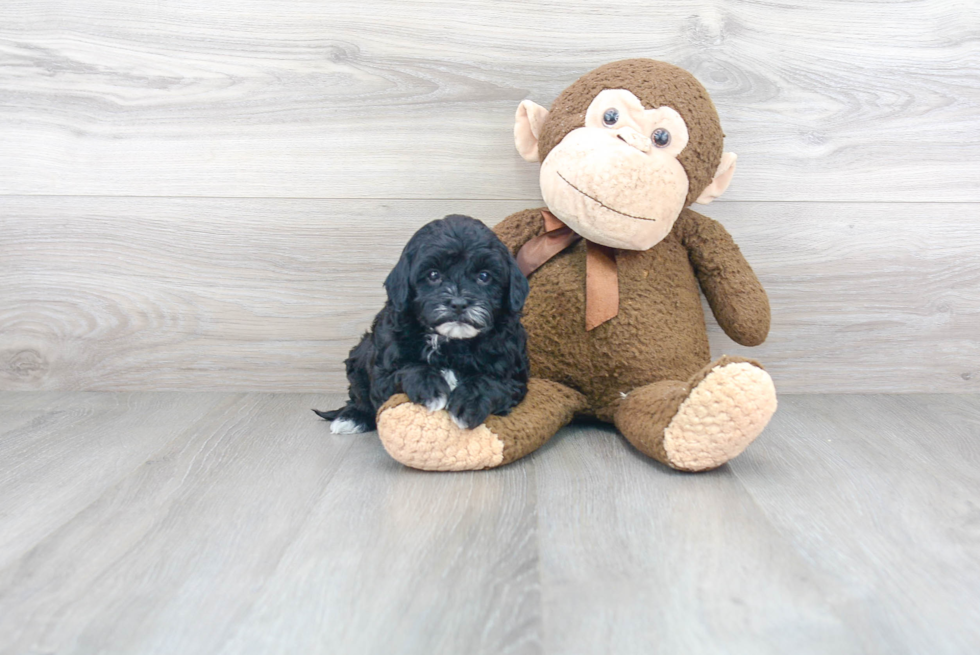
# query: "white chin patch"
456, 330
436, 404
346, 426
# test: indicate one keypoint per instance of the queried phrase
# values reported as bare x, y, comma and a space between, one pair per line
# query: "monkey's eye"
610, 116
483, 277
433, 276
661, 137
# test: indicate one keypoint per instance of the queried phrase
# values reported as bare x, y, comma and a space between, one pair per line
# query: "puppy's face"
458, 292
457, 278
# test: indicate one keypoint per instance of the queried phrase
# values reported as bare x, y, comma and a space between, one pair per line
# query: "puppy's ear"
398, 284
518, 286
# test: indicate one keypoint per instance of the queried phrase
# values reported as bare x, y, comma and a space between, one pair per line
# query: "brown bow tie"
601, 279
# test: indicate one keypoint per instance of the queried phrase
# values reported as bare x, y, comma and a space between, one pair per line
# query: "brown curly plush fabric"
656, 84
659, 333
428, 440
646, 412
547, 407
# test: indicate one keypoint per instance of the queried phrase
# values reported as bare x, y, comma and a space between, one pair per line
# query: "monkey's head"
624, 149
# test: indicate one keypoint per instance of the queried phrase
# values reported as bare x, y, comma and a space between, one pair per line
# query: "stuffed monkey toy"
615, 262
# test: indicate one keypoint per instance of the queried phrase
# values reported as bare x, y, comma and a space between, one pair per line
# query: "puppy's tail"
348, 420
328, 416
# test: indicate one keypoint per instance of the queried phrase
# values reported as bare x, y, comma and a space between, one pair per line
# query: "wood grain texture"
838, 101
63, 458
650, 560
397, 560
883, 498
259, 508
165, 558
270, 295
850, 526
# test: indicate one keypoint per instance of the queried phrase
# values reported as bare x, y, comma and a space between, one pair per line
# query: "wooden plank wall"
208, 195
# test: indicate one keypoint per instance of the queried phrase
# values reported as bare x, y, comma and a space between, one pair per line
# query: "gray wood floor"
235, 523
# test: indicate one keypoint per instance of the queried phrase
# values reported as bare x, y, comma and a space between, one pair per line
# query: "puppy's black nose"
459, 303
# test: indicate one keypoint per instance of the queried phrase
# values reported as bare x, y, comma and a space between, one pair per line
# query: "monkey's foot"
723, 414
704, 423
432, 441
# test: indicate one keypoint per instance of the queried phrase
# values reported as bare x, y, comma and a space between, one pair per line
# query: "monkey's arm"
734, 293
517, 229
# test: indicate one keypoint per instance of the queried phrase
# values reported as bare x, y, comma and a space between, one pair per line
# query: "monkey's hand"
733, 291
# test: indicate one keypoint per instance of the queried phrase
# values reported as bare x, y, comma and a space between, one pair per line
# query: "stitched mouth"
594, 199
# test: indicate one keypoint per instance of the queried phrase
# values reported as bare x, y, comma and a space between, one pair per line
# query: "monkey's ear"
723, 177
527, 128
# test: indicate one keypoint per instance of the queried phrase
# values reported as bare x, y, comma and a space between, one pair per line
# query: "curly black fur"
450, 333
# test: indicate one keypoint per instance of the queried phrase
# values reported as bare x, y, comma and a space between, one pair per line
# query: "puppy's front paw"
426, 387
468, 407
435, 404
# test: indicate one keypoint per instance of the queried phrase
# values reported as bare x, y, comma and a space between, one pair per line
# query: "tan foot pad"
431, 441
721, 416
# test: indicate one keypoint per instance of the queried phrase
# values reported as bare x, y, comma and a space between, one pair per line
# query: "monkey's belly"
658, 334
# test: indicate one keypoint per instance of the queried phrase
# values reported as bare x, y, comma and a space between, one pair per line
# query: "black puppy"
449, 335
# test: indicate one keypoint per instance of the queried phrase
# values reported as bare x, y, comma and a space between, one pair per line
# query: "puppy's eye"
483, 277
610, 116
433, 276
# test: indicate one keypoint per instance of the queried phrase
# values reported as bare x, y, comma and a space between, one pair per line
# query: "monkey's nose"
635, 139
